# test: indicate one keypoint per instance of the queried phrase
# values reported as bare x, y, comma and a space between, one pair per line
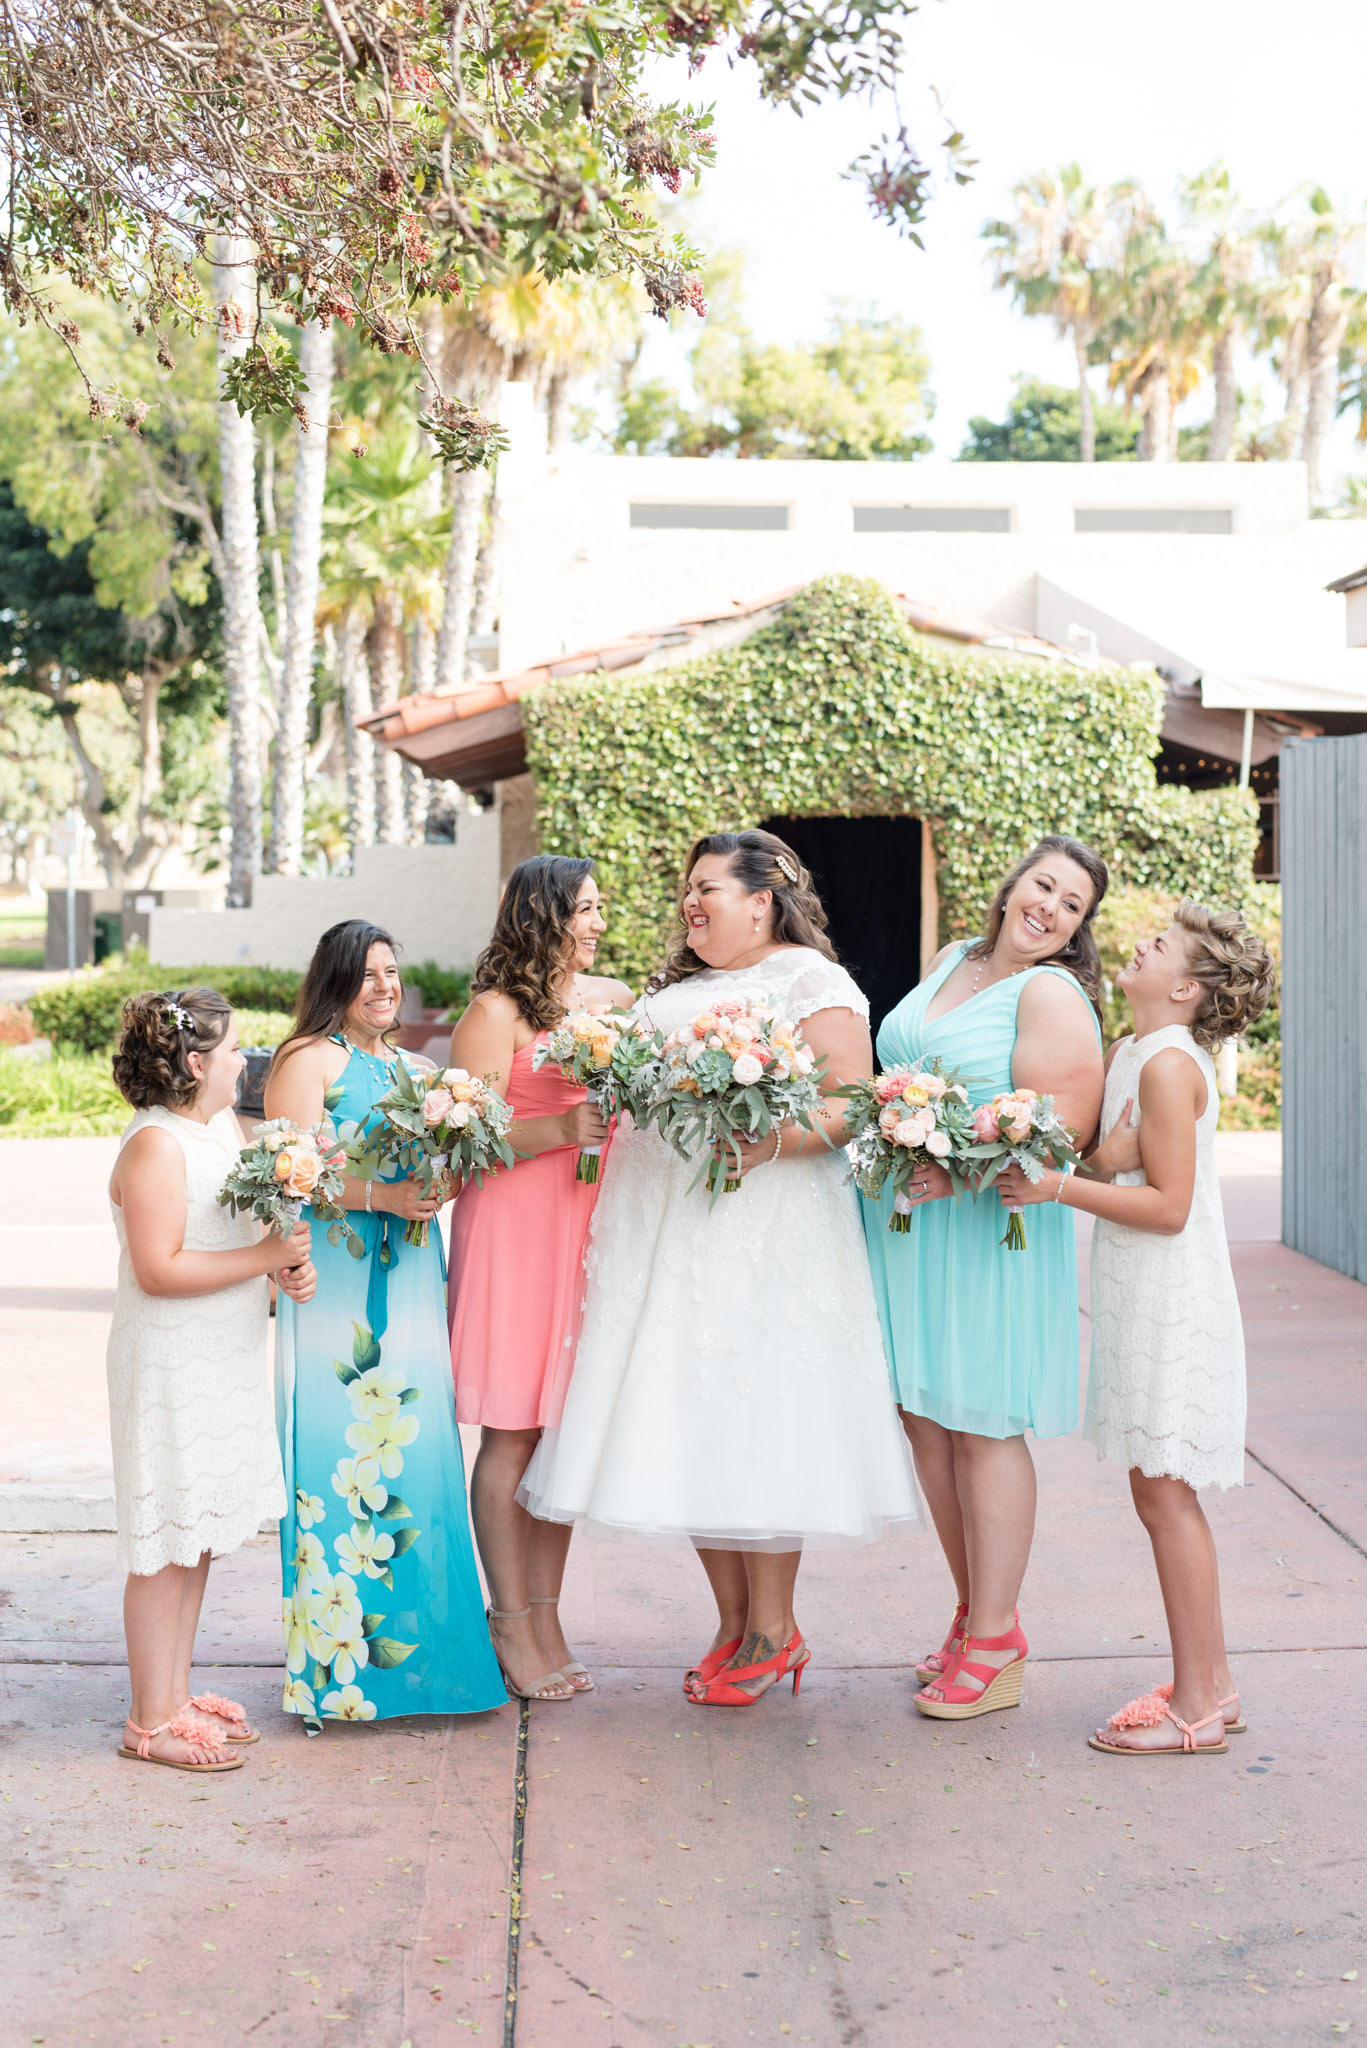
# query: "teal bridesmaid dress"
382, 1607
979, 1338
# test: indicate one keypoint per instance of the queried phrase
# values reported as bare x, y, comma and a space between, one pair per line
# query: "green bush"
442, 988
72, 1095
85, 1012
839, 710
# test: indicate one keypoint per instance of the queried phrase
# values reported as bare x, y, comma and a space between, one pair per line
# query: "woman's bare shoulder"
606, 988
492, 1006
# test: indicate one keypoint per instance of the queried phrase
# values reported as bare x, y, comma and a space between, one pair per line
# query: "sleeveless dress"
517, 1269
981, 1339
729, 1385
1166, 1392
196, 1465
382, 1606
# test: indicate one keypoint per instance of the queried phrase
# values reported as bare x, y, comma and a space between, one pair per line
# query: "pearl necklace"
977, 979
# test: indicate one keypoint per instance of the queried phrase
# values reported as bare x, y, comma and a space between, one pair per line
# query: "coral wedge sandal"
933, 1663
193, 1732
1150, 1710
946, 1700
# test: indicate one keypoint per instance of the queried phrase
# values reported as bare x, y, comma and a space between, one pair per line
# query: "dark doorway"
868, 875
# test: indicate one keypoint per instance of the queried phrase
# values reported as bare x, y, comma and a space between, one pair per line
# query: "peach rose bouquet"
432, 1125
1024, 1127
612, 1054
285, 1165
903, 1121
736, 1071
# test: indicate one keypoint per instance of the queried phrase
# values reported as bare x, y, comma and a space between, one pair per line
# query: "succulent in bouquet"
733, 1073
900, 1123
431, 1125
285, 1165
614, 1055
1023, 1127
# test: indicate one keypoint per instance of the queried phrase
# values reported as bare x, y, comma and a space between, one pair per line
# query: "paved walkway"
859, 1878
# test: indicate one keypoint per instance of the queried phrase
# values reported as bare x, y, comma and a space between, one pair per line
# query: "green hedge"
85, 1013
839, 709
72, 1095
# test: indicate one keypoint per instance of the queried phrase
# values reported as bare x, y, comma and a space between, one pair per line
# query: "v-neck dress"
980, 1338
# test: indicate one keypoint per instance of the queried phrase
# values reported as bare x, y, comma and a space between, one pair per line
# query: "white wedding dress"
730, 1385
1166, 1391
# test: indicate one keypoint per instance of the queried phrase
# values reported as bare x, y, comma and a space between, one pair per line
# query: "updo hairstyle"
531, 943
1080, 955
1234, 969
758, 860
158, 1034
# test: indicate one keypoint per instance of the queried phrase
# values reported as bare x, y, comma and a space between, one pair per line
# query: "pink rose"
437, 1105
985, 1123
888, 1085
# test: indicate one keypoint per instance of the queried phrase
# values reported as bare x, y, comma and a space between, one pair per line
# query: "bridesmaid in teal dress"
983, 1342
382, 1607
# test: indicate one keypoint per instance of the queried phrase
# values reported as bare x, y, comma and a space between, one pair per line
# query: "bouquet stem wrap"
427, 1126
613, 1057
900, 1124
1026, 1128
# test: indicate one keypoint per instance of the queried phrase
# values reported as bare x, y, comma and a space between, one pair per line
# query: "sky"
1276, 91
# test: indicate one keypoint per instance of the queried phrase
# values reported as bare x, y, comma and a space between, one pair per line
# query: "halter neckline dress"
981, 1339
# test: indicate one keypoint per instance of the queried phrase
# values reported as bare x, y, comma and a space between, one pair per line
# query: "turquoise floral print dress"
382, 1607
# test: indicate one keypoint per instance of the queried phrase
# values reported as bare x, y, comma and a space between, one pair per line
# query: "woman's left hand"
299, 1282
1019, 1193
752, 1154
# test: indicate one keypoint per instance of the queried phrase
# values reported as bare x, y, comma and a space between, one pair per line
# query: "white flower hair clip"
182, 1018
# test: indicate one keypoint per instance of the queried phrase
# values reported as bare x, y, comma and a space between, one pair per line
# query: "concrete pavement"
859, 1876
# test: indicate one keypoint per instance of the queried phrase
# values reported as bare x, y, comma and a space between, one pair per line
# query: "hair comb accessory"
181, 1017
785, 867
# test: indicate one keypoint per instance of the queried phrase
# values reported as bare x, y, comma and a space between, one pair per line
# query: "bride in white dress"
730, 1385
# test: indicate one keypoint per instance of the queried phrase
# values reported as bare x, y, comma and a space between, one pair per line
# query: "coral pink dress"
517, 1270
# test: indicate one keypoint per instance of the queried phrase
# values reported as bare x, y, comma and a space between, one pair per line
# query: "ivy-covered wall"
839, 710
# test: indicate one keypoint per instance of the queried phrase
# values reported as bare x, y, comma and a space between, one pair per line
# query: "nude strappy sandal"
1150, 1711
532, 1691
572, 1668
1235, 1727
193, 1732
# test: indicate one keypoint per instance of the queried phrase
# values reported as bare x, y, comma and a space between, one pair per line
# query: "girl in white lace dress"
1166, 1394
196, 1460
730, 1385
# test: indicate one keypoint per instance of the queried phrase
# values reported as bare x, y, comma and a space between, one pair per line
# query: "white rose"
747, 1070
888, 1118
712, 1042
695, 1052
454, 1074
459, 1115
744, 1030
805, 1060
908, 1133
938, 1144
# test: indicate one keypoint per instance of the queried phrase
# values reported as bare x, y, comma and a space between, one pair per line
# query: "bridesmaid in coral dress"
517, 1250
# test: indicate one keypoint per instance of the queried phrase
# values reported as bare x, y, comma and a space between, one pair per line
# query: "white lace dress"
1166, 1389
730, 1384
196, 1458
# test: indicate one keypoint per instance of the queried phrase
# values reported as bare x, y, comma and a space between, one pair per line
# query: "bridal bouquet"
285, 1166
614, 1056
1024, 1127
736, 1071
902, 1122
429, 1125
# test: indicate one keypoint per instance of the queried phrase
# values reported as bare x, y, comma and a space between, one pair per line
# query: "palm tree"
1158, 339
1307, 305
234, 288
1224, 284
1060, 256
301, 602
383, 554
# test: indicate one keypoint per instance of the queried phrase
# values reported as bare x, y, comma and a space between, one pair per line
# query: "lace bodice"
797, 979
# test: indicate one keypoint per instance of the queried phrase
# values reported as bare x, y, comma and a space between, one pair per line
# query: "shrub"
84, 1013
72, 1095
442, 988
16, 1025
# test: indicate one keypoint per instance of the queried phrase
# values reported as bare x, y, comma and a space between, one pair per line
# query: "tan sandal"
534, 1690
193, 1732
240, 1729
1150, 1710
572, 1668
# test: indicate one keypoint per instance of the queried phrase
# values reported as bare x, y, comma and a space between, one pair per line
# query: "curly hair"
1233, 966
1079, 955
334, 978
531, 943
758, 860
156, 1038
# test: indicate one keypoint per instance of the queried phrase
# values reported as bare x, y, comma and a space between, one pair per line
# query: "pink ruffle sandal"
1238, 1726
231, 1711
1150, 1710
193, 1732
